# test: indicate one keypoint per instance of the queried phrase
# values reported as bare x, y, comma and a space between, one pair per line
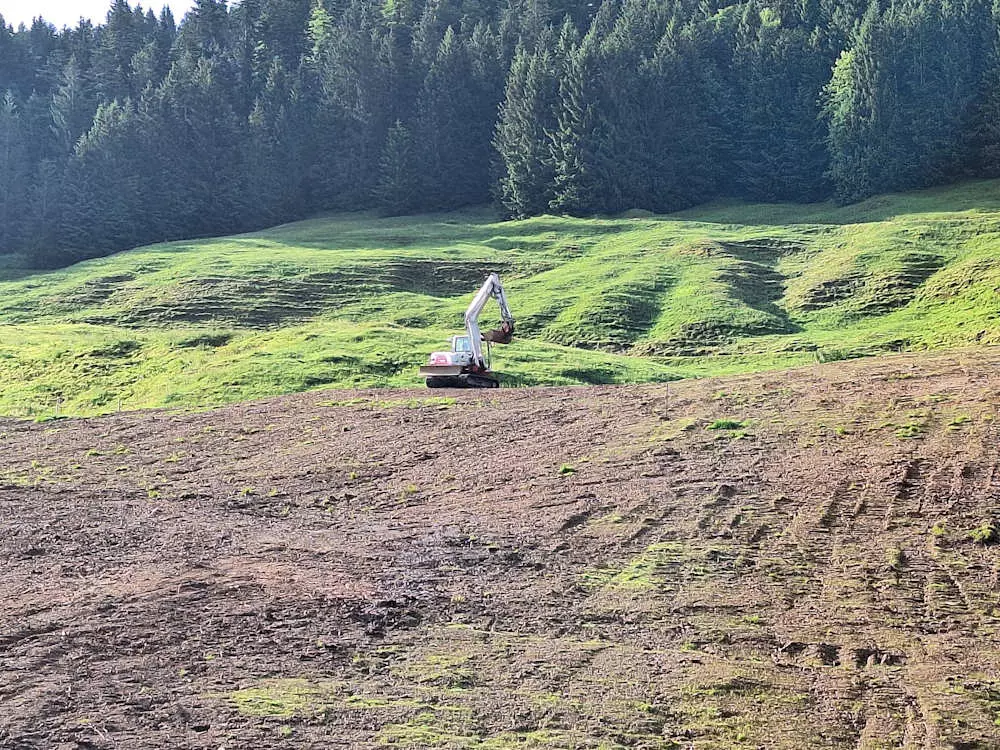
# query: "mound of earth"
791, 560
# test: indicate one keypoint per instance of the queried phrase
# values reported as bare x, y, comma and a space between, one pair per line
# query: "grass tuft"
984, 534
726, 424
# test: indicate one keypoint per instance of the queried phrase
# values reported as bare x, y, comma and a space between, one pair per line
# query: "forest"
143, 128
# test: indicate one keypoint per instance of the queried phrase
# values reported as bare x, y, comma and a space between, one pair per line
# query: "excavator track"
462, 381
481, 381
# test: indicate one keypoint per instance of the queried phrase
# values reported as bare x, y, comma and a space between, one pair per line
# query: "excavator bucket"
502, 335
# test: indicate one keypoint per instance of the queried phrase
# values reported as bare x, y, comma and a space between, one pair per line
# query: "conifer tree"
198, 136
275, 156
14, 170
398, 187
119, 40
900, 99
687, 133
856, 110
782, 67
524, 132
447, 145
576, 142
72, 107
106, 208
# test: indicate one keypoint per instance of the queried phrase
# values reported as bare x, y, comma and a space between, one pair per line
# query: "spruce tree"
855, 106
902, 97
118, 42
14, 171
274, 154
687, 132
782, 67
451, 174
398, 187
72, 106
577, 186
523, 135
107, 207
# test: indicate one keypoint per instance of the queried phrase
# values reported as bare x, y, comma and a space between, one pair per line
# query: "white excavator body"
459, 354
466, 365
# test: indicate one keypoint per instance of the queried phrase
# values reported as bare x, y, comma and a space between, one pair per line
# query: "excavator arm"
491, 288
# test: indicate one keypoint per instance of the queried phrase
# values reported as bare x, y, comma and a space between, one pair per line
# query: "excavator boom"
502, 335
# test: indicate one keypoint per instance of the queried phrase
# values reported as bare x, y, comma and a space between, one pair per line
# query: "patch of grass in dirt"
431, 730
735, 711
672, 429
959, 421
573, 725
451, 671
607, 524
987, 691
978, 705
726, 424
33, 476
639, 573
985, 533
282, 698
895, 558
463, 680
911, 430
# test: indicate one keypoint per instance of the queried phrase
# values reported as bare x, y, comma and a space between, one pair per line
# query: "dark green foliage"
901, 99
14, 170
73, 106
445, 106
687, 135
118, 42
255, 112
197, 135
577, 140
106, 205
781, 66
276, 153
726, 424
524, 132
399, 182
983, 136
456, 113
984, 534
346, 91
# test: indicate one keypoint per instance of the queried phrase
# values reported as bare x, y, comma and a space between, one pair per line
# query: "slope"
358, 301
783, 560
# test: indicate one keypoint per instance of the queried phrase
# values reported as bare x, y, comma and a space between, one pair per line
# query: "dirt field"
564, 568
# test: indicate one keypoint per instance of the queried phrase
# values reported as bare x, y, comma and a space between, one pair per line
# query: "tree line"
142, 129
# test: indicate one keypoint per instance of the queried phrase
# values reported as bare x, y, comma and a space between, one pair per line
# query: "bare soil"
786, 560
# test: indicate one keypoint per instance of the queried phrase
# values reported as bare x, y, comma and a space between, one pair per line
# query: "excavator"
465, 366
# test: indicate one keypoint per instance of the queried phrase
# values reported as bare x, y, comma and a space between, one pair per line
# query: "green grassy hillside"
355, 300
